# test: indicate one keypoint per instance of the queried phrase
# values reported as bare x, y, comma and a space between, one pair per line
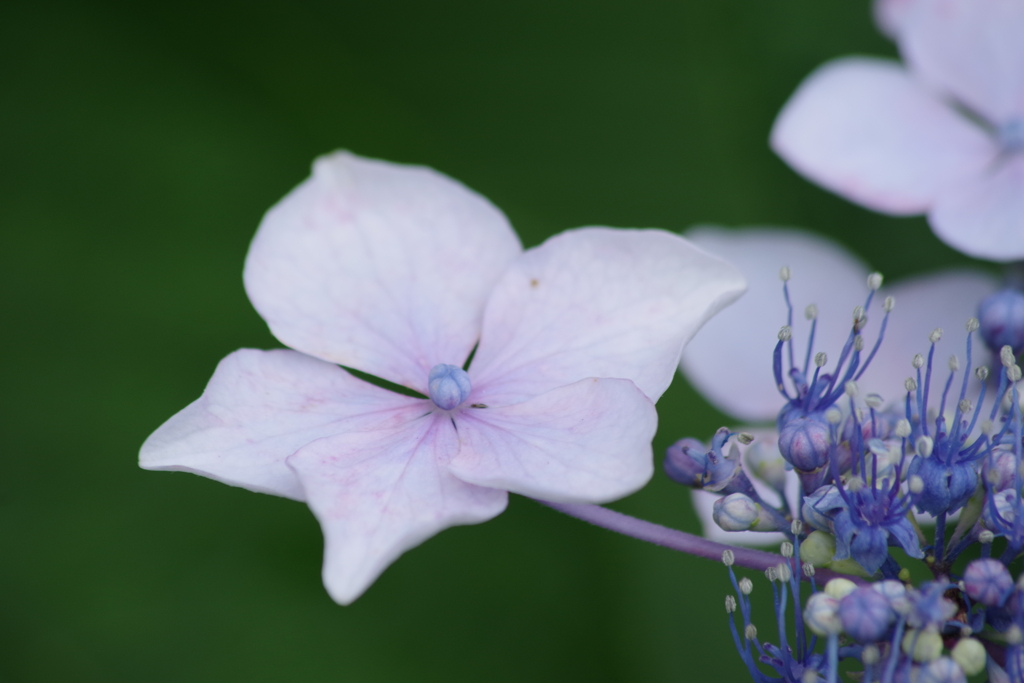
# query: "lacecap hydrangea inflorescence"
948, 451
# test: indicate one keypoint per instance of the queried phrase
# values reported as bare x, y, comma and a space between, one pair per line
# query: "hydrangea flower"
404, 274
941, 134
730, 363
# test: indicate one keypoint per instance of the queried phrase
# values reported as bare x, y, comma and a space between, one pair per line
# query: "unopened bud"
874, 281
840, 588
918, 361
925, 445
903, 428
969, 653
972, 324
786, 333
888, 304
820, 359
927, 645
822, 614
811, 312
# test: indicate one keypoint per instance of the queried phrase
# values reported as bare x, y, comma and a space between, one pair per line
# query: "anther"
935, 335
965, 406
786, 333
910, 383
820, 359
796, 527
986, 427
850, 388
925, 445
770, 574
870, 655
874, 401
786, 549
981, 372
811, 312
954, 363
784, 273
1014, 373
834, 416
888, 304
858, 313
730, 604
874, 281
858, 342
745, 438
808, 569
916, 484
903, 428
750, 632
918, 361
986, 537
746, 586
855, 484
972, 324
784, 572
728, 558
1006, 356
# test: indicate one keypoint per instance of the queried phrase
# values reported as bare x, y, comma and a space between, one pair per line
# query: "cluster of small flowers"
864, 469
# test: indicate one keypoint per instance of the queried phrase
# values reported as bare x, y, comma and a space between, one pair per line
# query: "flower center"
448, 386
1011, 135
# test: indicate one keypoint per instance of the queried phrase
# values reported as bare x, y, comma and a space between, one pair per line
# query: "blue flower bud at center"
804, 443
448, 385
1001, 316
866, 615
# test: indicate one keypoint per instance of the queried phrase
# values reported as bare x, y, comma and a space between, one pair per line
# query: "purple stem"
680, 540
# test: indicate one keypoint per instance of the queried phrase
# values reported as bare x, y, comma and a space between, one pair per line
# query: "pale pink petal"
260, 407
730, 361
704, 501
971, 49
377, 266
589, 442
379, 493
866, 130
890, 15
984, 217
597, 302
944, 300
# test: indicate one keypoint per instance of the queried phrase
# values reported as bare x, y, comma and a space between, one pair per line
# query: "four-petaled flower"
943, 135
400, 272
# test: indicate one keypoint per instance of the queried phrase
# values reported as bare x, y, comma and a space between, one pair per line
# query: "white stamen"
811, 312
972, 324
925, 445
981, 372
910, 383
730, 604
858, 342
784, 572
1006, 356
903, 428
786, 333
965, 406
820, 359
954, 363
808, 569
874, 281
1014, 373
797, 527
746, 586
888, 304
770, 574
855, 484
784, 273
918, 361
850, 388
869, 655
935, 335
750, 632
786, 549
834, 416
728, 558
986, 537
874, 401
745, 438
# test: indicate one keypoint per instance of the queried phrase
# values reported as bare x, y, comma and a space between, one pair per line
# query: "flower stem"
680, 540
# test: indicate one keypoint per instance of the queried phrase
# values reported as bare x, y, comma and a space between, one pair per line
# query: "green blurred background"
139, 145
